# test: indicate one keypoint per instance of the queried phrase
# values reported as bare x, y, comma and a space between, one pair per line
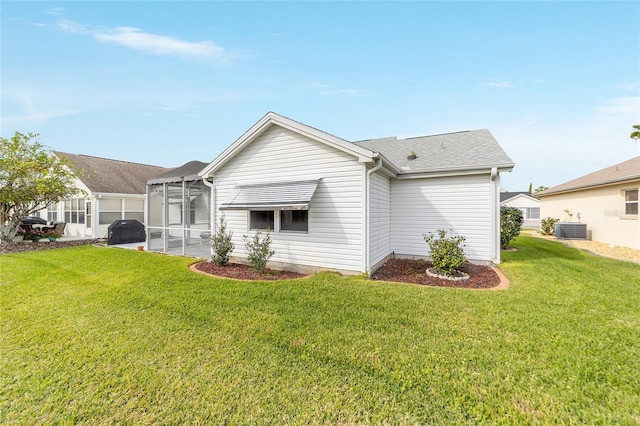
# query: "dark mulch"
245, 272
44, 244
414, 271
397, 270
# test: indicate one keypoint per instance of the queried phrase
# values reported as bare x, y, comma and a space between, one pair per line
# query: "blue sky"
557, 83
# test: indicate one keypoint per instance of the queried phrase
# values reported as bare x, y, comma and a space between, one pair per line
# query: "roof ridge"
442, 134
111, 159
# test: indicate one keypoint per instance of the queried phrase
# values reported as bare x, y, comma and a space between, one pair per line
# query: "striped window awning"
273, 196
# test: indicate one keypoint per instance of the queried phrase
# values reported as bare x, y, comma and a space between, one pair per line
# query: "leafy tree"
635, 135
510, 224
31, 178
540, 189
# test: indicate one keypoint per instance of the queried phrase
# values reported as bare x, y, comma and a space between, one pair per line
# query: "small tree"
539, 189
447, 253
259, 251
221, 244
548, 225
635, 135
510, 224
31, 178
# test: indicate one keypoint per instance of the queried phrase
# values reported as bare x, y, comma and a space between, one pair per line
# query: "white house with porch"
331, 204
110, 190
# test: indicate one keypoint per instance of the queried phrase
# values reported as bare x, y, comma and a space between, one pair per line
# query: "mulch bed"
20, 247
414, 271
396, 270
244, 272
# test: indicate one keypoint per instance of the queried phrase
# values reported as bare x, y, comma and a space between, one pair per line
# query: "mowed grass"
93, 335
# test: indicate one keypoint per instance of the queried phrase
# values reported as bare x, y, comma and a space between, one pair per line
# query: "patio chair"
59, 227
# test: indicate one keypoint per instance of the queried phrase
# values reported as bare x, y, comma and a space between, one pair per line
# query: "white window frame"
75, 209
626, 203
277, 224
52, 212
530, 216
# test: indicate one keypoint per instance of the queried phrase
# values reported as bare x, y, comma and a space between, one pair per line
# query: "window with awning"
273, 196
278, 207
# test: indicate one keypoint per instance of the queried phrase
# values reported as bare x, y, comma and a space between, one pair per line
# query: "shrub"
510, 224
446, 253
548, 225
259, 251
221, 244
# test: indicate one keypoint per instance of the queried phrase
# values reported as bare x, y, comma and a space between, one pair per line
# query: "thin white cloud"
501, 83
629, 105
538, 80
135, 38
55, 11
633, 86
32, 105
327, 89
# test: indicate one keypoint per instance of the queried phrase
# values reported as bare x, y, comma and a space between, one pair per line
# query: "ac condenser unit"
571, 231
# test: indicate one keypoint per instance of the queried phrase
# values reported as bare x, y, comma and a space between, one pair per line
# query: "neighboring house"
529, 205
111, 190
606, 201
332, 204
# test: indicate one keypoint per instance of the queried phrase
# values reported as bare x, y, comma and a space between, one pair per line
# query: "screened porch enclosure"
179, 218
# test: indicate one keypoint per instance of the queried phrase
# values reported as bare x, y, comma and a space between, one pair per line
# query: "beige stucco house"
606, 201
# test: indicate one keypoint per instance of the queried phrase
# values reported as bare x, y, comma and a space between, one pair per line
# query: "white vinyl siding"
334, 237
380, 218
420, 206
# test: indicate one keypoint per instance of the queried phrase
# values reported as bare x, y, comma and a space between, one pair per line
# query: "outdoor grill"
125, 231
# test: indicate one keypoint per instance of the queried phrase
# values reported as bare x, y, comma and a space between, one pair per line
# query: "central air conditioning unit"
571, 231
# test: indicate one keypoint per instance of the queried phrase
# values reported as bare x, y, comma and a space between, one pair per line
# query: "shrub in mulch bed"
414, 271
245, 272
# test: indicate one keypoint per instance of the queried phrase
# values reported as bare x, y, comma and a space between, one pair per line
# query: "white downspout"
212, 206
367, 224
495, 216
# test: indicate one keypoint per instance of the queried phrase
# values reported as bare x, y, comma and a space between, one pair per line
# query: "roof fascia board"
175, 179
447, 173
271, 118
519, 196
118, 195
592, 186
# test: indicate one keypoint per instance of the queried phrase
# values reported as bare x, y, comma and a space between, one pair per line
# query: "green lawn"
95, 335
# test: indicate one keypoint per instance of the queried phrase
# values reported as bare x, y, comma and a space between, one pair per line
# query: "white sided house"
110, 190
331, 204
529, 205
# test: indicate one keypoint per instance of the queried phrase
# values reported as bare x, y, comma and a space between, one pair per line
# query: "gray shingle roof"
621, 172
504, 196
474, 149
188, 171
103, 175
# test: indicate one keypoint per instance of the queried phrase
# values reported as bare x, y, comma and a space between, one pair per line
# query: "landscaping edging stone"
433, 272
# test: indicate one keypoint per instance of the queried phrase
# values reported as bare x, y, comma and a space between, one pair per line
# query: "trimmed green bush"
259, 251
510, 224
447, 253
548, 225
221, 244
